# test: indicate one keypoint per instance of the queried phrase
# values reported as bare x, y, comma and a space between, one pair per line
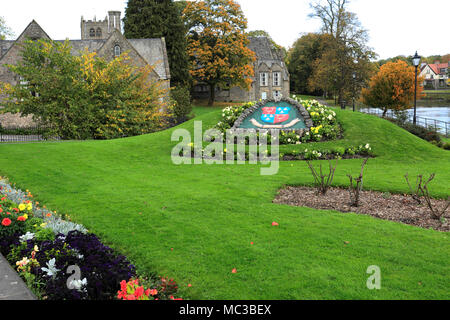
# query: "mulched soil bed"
394, 207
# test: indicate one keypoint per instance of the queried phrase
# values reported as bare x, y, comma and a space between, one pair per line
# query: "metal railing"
439, 126
28, 134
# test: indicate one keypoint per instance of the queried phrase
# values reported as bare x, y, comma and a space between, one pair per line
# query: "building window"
99, 33
92, 33
276, 79
117, 51
263, 79
277, 94
264, 95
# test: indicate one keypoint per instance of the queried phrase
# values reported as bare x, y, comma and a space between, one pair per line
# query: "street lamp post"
354, 89
416, 62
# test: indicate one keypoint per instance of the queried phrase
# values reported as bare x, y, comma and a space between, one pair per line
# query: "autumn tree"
83, 97
392, 88
301, 60
348, 54
218, 45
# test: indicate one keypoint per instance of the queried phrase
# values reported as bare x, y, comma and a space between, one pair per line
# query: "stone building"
103, 37
271, 77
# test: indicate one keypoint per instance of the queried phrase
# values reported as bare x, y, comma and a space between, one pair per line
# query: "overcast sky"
396, 27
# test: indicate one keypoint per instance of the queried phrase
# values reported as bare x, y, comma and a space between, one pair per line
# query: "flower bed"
61, 260
293, 155
326, 126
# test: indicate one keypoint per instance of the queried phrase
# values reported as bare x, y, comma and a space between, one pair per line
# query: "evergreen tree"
160, 18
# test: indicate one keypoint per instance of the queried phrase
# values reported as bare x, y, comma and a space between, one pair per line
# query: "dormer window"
117, 51
92, 33
99, 33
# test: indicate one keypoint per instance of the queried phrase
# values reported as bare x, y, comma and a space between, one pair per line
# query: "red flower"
153, 292
234, 270
6, 222
21, 218
1, 210
15, 210
3, 199
275, 224
189, 285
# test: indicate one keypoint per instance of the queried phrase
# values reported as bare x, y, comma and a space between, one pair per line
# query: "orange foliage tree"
393, 87
217, 45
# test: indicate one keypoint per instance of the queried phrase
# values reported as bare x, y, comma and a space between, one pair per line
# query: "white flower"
78, 284
51, 269
27, 236
367, 146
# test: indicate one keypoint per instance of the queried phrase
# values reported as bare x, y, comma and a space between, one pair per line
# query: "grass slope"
210, 214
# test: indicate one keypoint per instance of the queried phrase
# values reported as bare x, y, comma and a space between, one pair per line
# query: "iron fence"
439, 126
28, 134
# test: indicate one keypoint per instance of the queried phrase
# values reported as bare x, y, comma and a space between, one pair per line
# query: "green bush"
182, 106
421, 132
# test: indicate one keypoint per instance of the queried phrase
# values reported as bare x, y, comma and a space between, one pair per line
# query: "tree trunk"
212, 94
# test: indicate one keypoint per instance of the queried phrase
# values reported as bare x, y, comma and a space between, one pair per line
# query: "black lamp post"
416, 62
354, 89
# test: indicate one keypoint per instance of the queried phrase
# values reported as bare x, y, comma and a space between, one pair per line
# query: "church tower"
98, 30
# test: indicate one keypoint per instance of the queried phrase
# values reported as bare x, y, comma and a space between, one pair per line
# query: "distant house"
435, 75
271, 78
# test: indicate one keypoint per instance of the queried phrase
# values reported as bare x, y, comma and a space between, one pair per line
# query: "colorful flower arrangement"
307, 154
326, 126
61, 260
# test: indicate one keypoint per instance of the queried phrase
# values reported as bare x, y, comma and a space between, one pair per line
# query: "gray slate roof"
267, 53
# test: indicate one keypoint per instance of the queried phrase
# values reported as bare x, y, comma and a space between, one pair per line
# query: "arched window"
99, 33
117, 51
92, 33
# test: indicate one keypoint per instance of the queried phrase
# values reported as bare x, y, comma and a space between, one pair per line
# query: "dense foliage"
84, 97
218, 45
301, 58
156, 19
182, 106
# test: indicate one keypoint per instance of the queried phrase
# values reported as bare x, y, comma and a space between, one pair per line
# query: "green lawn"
129, 193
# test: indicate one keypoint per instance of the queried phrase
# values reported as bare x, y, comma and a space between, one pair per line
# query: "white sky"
396, 27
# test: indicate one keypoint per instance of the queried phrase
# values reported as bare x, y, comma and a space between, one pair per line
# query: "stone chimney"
114, 21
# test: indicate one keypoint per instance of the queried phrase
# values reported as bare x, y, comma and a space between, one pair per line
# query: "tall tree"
218, 45
348, 55
301, 59
161, 18
392, 87
5, 31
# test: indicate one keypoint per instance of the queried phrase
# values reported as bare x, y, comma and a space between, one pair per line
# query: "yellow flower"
30, 206
43, 225
25, 216
22, 207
